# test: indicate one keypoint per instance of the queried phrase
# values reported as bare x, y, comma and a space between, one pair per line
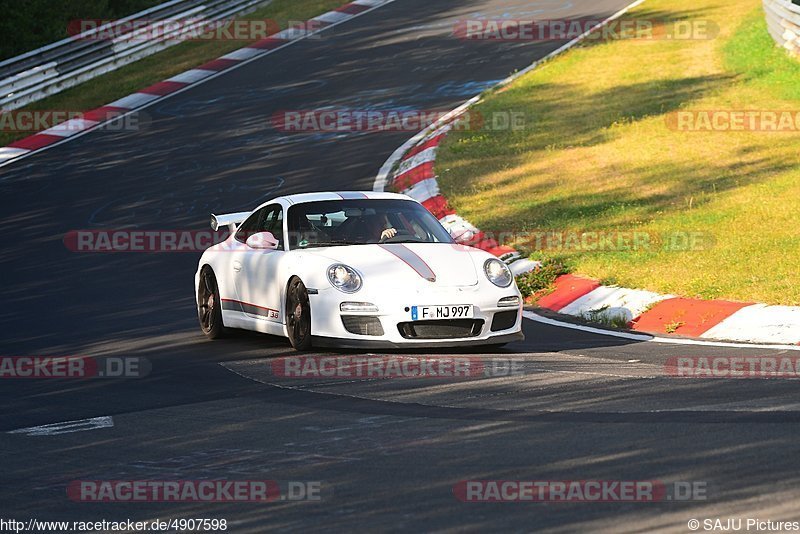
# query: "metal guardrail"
783, 23
58, 66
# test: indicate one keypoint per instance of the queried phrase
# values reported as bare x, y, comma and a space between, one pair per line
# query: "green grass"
167, 63
597, 154
538, 282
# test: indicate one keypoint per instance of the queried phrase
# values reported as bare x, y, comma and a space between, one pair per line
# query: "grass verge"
600, 153
167, 63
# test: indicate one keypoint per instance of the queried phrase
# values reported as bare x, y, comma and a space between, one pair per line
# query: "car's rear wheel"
298, 315
209, 306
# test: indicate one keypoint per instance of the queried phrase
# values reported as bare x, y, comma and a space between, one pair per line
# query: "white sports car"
357, 270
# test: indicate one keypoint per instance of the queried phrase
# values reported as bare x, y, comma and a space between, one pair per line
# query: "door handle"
237, 266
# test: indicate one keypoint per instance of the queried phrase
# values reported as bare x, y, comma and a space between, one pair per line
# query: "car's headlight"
344, 278
498, 273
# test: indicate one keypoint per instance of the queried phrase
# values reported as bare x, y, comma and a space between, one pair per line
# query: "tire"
298, 315
209, 306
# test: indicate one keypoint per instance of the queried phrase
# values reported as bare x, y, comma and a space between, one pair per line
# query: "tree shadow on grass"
564, 116
558, 114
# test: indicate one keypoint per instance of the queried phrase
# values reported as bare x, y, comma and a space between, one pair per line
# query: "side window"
250, 225
267, 219
273, 222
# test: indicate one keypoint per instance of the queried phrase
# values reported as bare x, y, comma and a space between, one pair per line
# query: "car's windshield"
362, 222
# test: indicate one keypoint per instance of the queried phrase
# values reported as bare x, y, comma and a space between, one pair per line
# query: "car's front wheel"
209, 306
298, 315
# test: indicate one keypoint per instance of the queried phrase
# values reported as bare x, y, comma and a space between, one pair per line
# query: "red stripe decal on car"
252, 309
410, 258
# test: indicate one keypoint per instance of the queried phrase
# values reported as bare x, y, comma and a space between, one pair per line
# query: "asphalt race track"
388, 453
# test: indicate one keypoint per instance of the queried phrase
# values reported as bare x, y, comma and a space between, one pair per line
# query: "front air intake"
504, 320
362, 325
448, 329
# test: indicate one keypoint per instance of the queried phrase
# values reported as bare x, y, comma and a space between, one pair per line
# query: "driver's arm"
388, 233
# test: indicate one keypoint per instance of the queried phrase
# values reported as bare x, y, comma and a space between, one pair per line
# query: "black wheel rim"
298, 314
208, 302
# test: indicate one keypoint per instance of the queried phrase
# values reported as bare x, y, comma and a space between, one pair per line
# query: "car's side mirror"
262, 241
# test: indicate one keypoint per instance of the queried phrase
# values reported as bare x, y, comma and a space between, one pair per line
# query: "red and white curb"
667, 314
148, 96
410, 170
651, 338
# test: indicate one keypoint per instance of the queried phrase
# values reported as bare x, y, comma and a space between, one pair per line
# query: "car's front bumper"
329, 329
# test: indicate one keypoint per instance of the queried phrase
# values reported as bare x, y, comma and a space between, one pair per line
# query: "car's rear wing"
231, 220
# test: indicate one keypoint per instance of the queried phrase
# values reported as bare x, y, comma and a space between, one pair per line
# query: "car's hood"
445, 265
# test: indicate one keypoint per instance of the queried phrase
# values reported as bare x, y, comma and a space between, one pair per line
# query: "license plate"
428, 313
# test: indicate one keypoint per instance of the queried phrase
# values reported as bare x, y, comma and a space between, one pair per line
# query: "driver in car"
379, 225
